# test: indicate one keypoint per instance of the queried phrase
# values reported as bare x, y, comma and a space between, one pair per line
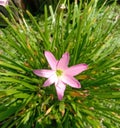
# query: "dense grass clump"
90, 35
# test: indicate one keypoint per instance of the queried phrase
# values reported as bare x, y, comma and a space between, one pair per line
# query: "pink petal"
75, 70
44, 73
50, 80
60, 88
51, 59
3, 2
63, 62
71, 81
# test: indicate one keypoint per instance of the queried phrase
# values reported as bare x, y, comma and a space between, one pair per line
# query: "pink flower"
60, 74
3, 2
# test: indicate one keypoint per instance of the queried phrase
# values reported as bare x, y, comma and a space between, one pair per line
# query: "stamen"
59, 72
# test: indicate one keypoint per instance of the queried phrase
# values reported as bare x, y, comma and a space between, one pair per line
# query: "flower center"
59, 72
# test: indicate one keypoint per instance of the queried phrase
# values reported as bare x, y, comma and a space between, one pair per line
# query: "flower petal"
4, 2
44, 73
51, 59
70, 80
60, 88
75, 70
63, 62
50, 80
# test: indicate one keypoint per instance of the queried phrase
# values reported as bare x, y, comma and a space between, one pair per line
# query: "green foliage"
91, 36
